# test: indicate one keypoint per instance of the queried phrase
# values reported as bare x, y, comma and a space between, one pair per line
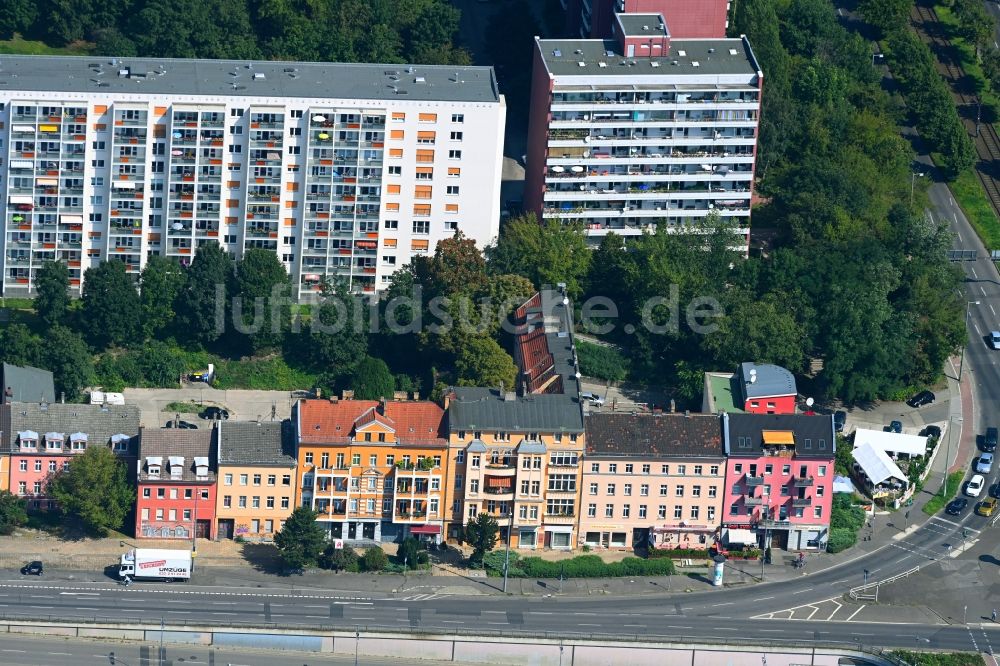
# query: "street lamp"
913, 177
506, 555
961, 365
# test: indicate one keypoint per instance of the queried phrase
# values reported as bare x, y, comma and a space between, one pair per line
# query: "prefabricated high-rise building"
343, 170
642, 130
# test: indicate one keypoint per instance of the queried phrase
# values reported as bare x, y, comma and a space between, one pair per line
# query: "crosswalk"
827, 610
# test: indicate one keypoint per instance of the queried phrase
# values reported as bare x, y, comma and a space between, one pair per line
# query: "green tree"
160, 283
203, 303
301, 540
374, 559
262, 290
977, 25
481, 534
372, 380
408, 552
69, 359
95, 489
13, 512
338, 329
886, 15
546, 253
482, 362
17, 16
52, 292
160, 364
339, 559
111, 312
19, 346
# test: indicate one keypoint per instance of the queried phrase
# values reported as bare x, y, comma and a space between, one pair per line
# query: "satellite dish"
809, 402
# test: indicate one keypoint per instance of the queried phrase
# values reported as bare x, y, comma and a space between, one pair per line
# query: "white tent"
876, 464
891, 442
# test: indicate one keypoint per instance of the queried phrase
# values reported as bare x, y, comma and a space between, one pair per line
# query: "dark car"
32, 569
215, 414
895, 426
956, 506
921, 399
839, 420
995, 490
181, 425
931, 431
990, 440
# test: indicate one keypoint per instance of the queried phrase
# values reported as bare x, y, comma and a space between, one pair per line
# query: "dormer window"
78, 442
201, 468
153, 466
54, 441
28, 440
176, 467
119, 443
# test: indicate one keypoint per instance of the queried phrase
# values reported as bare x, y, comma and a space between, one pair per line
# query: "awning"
71, 219
22, 164
498, 481
21, 199
23, 128
47, 182
731, 536
562, 529
778, 436
49, 128
425, 529
123, 185
661, 529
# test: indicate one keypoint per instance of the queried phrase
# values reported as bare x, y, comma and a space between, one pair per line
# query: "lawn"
20, 46
938, 502
183, 407
970, 196
940, 659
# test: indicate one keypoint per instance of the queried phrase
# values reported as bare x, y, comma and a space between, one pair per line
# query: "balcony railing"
803, 481
753, 481
753, 501
802, 501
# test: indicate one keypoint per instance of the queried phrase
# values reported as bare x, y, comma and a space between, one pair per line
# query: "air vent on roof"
602, 64
410, 69
103, 84
259, 76
674, 62
609, 53
557, 53
695, 63
682, 53
419, 79
94, 64
123, 72
733, 51
578, 52
294, 75
711, 50
288, 70
654, 64
581, 64
645, 27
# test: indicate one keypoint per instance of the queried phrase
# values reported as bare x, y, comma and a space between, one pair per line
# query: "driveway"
242, 405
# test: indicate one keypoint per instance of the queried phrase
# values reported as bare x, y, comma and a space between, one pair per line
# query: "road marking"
971, 268
44, 607
976, 326
63, 654
80, 594
728, 603
22, 651
634, 625
763, 598
584, 624
773, 631
174, 601
369, 618
992, 310
222, 613
90, 609
851, 617
982, 290
808, 589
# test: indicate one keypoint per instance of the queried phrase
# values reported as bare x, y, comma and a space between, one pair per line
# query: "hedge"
582, 566
686, 553
841, 538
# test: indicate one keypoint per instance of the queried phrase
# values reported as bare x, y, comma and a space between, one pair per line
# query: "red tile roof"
322, 421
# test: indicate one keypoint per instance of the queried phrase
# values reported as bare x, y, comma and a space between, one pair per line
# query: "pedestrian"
994, 615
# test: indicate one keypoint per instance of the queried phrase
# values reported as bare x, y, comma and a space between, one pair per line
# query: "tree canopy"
111, 310
301, 540
52, 292
95, 489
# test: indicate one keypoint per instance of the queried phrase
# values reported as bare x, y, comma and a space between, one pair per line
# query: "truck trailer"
156, 564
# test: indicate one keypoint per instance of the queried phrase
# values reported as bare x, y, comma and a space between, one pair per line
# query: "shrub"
601, 362
342, 559
408, 552
687, 553
582, 566
841, 538
374, 559
845, 514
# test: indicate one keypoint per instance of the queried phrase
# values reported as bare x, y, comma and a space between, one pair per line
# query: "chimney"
62, 397
381, 406
687, 413
673, 406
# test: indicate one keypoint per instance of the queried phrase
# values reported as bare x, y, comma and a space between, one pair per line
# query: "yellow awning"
49, 128
778, 437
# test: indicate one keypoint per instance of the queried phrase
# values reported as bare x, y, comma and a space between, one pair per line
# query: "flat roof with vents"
715, 58
639, 25
244, 78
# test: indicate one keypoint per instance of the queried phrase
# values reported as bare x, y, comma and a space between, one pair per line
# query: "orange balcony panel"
323, 216
350, 180
213, 233
27, 154
75, 281
344, 251
254, 125
190, 124
322, 234
326, 162
217, 142
79, 137
184, 250
124, 159
372, 235
275, 199
258, 180
137, 232
133, 141
114, 213
259, 162
188, 179
377, 144
119, 123
52, 173
249, 216
22, 280
25, 226
119, 249
73, 264
353, 125
139, 195
187, 197
215, 161
186, 213
49, 246
270, 144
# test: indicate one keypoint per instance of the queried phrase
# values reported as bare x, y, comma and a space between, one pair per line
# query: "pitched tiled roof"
543, 348
256, 443
322, 421
28, 384
166, 442
813, 434
654, 435
487, 409
98, 422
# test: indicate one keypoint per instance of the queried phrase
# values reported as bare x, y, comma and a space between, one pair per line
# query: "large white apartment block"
341, 169
639, 131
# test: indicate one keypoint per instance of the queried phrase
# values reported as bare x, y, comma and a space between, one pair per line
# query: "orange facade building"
373, 471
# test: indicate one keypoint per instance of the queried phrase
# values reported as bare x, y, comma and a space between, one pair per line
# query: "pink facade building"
43, 438
176, 474
779, 480
652, 481
687, 19
756, 388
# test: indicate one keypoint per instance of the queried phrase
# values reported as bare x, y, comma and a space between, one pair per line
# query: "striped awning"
498, 481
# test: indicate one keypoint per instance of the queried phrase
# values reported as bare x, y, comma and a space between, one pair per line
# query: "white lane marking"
90, 609
728, 603
22, 651
80, 594
976, 326
63, 654
222, 613
174, 601
364, 618
763, 598
773, 631
674, 626
952, 200
992, 310
444, 621
808, 589
48, 607
851, 617
634, 625
584, 624
973, 269
982, 290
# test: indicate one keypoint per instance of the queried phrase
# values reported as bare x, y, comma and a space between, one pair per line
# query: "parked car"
975, 485
593, 398
985, 463
995, 490
34, 568
956, 506
990, 440
839, 420
215, 414
995, 339
987, 507
181, 425
931, 431
895, 426
921, 399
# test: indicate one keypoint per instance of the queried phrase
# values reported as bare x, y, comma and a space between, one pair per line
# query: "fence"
862, 591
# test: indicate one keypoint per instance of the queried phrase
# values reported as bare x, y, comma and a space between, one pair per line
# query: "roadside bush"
845, 514
343, 559
408, 553
841, 538
374, 559
686, 553
582, 566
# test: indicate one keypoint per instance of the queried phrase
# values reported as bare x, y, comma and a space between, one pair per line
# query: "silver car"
985, 463
995, 339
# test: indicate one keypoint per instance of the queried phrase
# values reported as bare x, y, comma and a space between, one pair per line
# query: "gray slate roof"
814, 435
98, 424
166, 442
772, 380
266, 443
654, 435
28, 384
486, 409
280, 79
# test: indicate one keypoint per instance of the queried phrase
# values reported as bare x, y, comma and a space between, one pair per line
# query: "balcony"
754, 481
802, 481
560, 518
500, 469
802, 501
753, 501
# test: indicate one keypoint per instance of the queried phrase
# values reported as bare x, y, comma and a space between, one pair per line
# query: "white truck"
156, 564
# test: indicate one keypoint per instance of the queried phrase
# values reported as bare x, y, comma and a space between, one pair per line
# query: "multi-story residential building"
256, 474
688, 19
543, 344
757, 388
176, 484
779, 479
652, 481
517, 458
43, 438
341, 169
643, 130
373, 470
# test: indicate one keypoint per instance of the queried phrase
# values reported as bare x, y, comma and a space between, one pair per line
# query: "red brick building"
176, 484
686, 19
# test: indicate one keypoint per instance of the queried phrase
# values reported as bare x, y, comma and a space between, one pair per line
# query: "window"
421, 226
458, 118
24, 465
455, 172
244, 478
536, 487
817, 512
626, 510
562, 458
664, 469
38, 465
562, 482
679, 491
373, 460
645, 469
395, 171
697, 470
159, 514
456, 136
734, 509
678, 511
595, 467
474, 460
452, 190
524, 486
738, 468
270, 503
737, 489
819, 491
609, 510
682, 469
822, 470
613, 468
593, 489
454, 154
695, 491
228, 479
591, 510
161, 493
172, 514
284, 502
559, 507
611, 489
474, 485
768, 469
243, 501
644, 490
628, 489
663, 490
695, 510
642, 510
629, 468
713, 491
145, 492
661, 511
173, 493
256, 502
256, 479
356, 459
786, 469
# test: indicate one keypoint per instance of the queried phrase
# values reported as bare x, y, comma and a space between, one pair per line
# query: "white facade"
634, 141
106, 160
